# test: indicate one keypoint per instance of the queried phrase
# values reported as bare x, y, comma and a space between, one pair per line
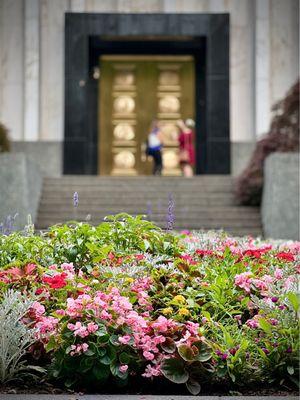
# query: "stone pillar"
262, 67
284, 29
31, 71
11, 66
52, 69
242, 70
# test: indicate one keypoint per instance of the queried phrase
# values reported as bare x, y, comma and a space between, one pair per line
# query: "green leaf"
86, 364
114, 339
294, 300
115, 370
101, 331
193, 387
290, 369
124, 358
101, 372
204, 351
89, 353
103, 339
109, 357
70, 381
187, 353
173, 369
51, 344
265, 325
168, 345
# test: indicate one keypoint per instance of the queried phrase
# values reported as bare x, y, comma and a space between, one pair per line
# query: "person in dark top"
154, 146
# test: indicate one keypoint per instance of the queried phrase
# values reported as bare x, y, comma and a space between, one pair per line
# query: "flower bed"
125, 301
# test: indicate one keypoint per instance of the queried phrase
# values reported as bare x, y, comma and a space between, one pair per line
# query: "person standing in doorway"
154, 146
186, 147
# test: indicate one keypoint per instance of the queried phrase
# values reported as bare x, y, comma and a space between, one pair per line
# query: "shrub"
283, 137
4, 142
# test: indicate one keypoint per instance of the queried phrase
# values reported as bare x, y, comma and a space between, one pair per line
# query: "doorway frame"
206, 36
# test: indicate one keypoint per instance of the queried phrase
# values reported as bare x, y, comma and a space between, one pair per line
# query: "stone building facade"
263, 64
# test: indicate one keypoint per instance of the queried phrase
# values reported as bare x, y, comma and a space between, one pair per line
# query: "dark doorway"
204, 36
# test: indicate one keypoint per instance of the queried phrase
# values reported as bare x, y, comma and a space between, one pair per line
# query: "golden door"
134, 90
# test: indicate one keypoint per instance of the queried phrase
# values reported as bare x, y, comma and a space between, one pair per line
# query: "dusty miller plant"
15, 337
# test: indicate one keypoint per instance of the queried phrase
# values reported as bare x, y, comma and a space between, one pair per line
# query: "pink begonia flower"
123, 368
68, 267
60, 312
105, 315
124, 339
78, 329
148, 355
243, 280
92, 327
78, 349
162, 324
38, 309
278, 273
46, 325
260, 284
151, 371
288, 283
85, 346
193, 327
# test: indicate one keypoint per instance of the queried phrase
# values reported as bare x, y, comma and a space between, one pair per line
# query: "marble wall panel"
77, 5
187, 6
284, 66
242, 69
31, 70
262, 67
140, 6
101, 6
52, 68
11, 66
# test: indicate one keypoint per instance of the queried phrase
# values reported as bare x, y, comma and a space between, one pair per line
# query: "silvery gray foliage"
15, 337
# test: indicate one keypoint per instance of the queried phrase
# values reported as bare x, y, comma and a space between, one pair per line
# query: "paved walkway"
135, 397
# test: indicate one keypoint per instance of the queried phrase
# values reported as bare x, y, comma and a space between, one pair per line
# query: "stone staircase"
202, 202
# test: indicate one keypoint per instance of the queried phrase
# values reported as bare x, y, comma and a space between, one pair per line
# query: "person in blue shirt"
154, 147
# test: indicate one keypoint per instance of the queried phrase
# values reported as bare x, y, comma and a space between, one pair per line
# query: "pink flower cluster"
82, 330
46, 325
141, 333
78, 349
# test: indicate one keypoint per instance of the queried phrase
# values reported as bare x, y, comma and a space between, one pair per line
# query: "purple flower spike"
75, 199
170, 213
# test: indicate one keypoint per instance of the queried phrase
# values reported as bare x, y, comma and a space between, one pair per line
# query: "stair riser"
187, 212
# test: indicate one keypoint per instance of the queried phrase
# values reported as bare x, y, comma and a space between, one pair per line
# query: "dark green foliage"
282, 137
4, 142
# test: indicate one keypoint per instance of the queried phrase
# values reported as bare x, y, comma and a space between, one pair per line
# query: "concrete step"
214, 223
202, 202
191, 210
85, 179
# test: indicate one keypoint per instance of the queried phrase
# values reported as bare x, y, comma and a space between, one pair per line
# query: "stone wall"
20, 188
280, 205
263, 59
46, 155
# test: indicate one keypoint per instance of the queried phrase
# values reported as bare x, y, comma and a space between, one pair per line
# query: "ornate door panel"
134, 90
